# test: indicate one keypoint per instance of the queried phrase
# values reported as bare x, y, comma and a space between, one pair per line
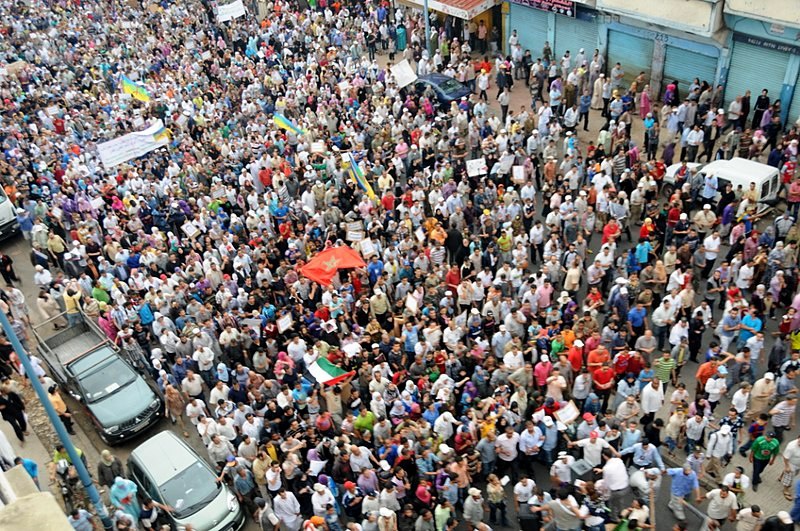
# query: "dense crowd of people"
507, 328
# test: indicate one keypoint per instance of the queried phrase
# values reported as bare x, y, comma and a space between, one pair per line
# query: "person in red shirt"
453, 278
597, 357
388, 200
611, 231
621, 362
648, 227
575, 355
603, 381
674, 215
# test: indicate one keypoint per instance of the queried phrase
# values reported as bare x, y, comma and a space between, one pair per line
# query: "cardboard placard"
284, 323
518, 174
206, 56
420, 234
354, 236
476, 167
568, 413
318, 147
191, 230
367, 248
218, 193
98, 203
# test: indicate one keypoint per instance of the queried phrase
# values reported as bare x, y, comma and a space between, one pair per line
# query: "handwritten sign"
559, 7
284, 323
476, 167
518, 174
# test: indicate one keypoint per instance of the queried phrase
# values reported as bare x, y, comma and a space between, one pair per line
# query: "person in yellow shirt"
61, 408
72, 302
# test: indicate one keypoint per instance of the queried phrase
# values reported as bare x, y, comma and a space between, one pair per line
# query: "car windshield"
189, 491
106, 379
450, 86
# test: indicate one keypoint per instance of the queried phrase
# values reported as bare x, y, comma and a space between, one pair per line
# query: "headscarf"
223, 374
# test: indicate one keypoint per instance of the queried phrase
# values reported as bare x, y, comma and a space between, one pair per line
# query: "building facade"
737, 43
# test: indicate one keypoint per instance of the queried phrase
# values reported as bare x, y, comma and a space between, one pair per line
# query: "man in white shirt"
652, 398
791, 460
507, 452
615, 477
560, 471
712, 244
523, 491
593, 447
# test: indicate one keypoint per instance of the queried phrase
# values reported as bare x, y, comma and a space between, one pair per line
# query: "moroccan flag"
359, 177
325, 372
322, 267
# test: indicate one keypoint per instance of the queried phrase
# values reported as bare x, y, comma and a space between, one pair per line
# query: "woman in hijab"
109, 468
397, 413
123, 496
223, 375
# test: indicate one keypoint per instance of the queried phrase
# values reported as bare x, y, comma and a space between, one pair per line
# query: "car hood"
125, 404
215, 515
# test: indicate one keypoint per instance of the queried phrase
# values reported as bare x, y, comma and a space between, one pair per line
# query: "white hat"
563, 454
503, 328
543, 358
706, 207
319, 487
621, 281
548, 422
386, 512
578, 343
384, 464
443, 448
474, 492
684, 216
784, 517
448, 293
725, 429
475, 311
769, 376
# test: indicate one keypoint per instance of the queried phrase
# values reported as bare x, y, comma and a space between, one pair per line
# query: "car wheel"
667, 190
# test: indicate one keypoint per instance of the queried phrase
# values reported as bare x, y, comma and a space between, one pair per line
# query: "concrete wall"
781, 12
695, 16
24, 508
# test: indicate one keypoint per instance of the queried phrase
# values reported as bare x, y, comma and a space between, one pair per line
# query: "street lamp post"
427, 16
61, 431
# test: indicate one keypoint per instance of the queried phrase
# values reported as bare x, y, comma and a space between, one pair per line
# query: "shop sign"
559, 7
766, 43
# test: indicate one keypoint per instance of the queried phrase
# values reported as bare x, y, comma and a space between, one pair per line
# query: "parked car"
121, 402
167, 470
738, 172
446, 88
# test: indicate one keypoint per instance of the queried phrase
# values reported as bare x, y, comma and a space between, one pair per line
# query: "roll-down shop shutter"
635, 54
573, 34
531, 26
754, 68
685, 65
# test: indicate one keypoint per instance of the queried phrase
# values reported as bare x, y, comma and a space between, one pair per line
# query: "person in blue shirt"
374, 269
684, 483
750, 325
30, 467
643, 250
637, 320
645, 455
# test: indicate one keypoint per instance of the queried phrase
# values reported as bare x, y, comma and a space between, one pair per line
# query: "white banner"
403, 74
133, 145
230, 11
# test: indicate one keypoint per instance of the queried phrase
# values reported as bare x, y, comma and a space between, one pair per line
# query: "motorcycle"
67, 478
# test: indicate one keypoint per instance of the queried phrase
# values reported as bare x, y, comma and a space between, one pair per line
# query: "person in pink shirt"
542, 371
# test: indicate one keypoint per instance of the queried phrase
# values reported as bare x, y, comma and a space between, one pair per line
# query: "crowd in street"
507, 329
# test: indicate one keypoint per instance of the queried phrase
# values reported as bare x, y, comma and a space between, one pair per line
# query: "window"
765, 190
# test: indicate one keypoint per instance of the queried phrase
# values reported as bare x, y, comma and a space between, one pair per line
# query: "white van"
8, 217
738, 172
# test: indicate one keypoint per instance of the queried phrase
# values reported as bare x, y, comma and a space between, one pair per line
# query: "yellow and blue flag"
136, 91
359, 178
162, 134
284, 123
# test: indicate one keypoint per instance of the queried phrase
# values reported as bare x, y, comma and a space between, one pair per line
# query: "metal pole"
427, 16
61, 431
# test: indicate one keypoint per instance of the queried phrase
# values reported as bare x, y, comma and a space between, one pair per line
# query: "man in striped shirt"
664, 368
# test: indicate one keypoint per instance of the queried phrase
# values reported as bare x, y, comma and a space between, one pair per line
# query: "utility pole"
427, 16
61, 431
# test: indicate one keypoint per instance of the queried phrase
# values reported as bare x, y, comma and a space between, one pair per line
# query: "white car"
738, 172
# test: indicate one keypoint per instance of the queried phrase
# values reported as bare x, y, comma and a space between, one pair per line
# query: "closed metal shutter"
754, 68
635, 54
684, 65
573, 34
794, 107
531, 26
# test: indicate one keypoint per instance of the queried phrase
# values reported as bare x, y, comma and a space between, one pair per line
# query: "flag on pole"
284, 123
359, 178
136, 91
325, 372
324, 265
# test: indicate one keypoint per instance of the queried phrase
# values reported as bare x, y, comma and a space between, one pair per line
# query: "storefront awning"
463, 9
